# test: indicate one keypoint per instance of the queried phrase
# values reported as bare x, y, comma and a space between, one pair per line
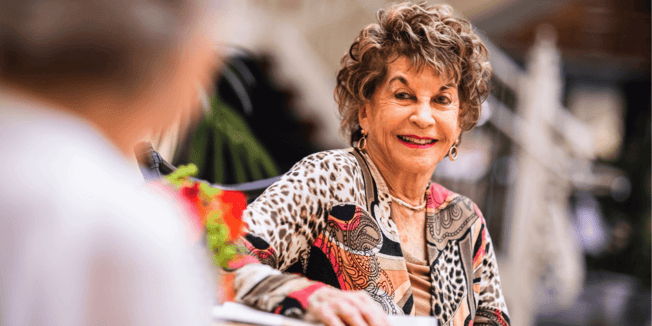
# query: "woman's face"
412, 119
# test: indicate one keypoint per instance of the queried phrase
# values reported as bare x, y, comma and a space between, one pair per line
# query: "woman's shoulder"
342, 156
333, 161
332, 175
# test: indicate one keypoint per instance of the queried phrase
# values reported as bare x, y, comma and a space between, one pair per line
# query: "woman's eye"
445, 100
402, 96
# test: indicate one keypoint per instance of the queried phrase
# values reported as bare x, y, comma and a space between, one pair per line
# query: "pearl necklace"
404, 204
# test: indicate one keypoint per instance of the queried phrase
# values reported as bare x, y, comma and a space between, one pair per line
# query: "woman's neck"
406, 186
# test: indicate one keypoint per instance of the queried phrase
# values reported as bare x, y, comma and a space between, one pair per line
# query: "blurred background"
559, 162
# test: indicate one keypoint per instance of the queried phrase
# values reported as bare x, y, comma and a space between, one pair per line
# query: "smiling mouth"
417, 141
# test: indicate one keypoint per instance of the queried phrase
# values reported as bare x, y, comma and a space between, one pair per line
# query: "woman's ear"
458, 139
460, 121
363, 116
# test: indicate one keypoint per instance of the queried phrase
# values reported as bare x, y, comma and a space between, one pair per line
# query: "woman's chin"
422, 160
415, 166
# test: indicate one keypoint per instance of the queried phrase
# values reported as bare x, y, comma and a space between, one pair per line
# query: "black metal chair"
154, 167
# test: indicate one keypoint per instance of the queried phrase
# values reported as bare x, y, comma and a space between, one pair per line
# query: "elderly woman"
368, 219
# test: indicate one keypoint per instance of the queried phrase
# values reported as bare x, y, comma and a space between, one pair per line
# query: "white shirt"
82, 240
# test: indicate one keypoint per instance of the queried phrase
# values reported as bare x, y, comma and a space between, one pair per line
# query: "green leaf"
247, 153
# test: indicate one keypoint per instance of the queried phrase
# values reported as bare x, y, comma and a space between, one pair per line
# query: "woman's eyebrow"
400, 79
447, 86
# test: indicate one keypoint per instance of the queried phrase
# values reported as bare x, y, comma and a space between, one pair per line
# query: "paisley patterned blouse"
326, 223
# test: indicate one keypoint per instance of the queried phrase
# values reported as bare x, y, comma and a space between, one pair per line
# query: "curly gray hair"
426, 35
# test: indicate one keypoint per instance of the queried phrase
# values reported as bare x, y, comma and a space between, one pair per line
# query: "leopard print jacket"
325, 224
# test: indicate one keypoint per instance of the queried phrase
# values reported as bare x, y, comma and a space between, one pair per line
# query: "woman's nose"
422, 115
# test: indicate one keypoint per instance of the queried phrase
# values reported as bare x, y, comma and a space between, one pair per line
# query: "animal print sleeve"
491, 308
283, 223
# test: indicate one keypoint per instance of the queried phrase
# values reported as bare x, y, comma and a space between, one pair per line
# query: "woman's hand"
334, 307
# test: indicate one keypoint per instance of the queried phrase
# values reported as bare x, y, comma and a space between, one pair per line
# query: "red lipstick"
413, 145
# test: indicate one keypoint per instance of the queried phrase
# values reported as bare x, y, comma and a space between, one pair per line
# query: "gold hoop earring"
453, 153
362, 143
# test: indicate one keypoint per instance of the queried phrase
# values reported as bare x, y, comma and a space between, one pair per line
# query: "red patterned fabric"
303, 294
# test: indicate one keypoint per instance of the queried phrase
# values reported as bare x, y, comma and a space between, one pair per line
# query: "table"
232, 314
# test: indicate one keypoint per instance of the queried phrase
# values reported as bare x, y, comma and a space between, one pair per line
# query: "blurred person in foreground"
368, 220
82, 240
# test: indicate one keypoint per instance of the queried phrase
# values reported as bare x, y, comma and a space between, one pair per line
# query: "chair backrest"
154, 167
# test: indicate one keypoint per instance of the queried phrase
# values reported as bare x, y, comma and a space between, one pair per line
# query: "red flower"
233, 203
189, 197
191, 193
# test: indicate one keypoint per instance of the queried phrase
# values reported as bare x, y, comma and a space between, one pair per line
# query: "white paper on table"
231, 311
398, 320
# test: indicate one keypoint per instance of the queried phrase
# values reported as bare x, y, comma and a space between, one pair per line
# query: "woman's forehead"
405, 68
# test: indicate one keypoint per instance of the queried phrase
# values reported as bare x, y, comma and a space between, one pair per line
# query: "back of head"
52, 45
